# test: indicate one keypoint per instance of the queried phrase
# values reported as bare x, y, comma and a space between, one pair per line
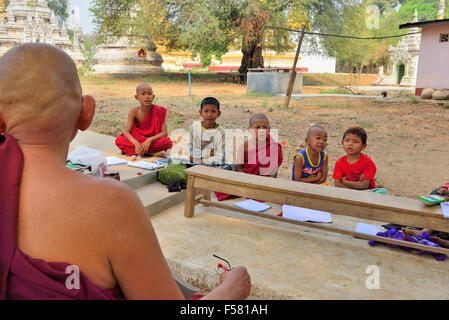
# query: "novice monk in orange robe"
263, 157
146, 131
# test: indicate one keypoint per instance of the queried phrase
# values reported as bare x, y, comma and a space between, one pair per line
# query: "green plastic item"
172, 172
433, 199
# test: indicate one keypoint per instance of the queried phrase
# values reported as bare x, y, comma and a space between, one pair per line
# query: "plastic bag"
89, 157
86, 156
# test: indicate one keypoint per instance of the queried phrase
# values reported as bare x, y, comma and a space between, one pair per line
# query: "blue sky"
85, 15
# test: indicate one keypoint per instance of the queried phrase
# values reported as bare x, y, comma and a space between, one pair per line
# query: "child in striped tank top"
311, 165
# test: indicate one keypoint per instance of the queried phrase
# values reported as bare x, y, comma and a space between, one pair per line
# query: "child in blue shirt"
311, 165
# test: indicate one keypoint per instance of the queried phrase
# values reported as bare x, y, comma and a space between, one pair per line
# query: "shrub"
413, 99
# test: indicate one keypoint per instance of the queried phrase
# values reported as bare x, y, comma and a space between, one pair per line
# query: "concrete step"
156, 198
131, 177
153, 194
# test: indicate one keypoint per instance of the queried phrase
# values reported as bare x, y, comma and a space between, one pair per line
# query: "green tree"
427, 10
352, 18
60, 7
207, 27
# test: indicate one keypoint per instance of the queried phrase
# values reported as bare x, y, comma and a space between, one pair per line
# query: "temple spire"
441, 10
415, 16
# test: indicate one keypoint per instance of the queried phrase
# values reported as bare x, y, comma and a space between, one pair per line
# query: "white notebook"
114, 161
445, 209
368, 229
253, 205
303, 214
145, 165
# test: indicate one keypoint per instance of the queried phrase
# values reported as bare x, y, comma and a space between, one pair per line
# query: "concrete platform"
292, 262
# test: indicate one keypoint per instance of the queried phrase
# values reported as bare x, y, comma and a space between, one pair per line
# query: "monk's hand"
238, 283
139, 149
146, 145
362, 176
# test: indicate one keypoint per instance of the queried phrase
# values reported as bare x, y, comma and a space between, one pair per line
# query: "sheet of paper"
253, 205
368, 229
114, 161
445, 209
145, 165
303, 214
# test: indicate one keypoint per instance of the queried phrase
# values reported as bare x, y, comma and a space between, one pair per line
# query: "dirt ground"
408, 141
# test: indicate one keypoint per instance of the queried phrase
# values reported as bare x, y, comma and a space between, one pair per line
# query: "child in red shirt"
355, 170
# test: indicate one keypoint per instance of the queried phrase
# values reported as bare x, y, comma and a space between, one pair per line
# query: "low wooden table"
391, 209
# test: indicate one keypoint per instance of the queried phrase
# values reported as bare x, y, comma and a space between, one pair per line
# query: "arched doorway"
142, 53
400, 71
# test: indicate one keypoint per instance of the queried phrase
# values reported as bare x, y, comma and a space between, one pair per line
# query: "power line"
343, 36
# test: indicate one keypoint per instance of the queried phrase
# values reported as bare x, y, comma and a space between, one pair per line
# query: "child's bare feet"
443, 243
410, 233
160, 154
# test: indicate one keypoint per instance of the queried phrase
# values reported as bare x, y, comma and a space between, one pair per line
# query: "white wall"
318, 64
315, 60
433, 66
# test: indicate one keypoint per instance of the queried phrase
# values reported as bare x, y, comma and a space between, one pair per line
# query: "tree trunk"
252, 58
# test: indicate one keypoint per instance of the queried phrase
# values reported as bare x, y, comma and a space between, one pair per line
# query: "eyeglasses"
220, 268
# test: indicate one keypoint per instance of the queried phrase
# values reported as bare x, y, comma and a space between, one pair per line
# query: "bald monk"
63, 234
146, 131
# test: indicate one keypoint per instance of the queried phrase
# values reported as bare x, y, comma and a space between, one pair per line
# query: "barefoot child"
311, 164
146, 130
355, 170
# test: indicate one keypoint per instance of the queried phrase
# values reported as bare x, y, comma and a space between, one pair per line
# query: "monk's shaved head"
39, 88
259, 116
144, 86
313, 129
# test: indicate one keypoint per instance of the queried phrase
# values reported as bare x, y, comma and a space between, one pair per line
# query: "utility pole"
293, 75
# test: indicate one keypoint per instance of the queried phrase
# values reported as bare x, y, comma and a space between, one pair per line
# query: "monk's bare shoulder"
136, 114
105, 198
132, 112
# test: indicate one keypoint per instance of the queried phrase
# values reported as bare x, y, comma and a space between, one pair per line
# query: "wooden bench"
235, 77
391, 209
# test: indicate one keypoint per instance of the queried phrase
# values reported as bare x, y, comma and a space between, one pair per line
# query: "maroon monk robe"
149, 127
258, 160
21, 276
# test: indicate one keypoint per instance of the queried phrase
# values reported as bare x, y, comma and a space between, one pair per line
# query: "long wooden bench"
390, 209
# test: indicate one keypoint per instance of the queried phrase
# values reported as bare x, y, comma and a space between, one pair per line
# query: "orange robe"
257, 159
149, 127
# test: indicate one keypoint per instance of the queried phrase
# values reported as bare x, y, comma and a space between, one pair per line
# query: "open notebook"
145, 165
252, 205
303, 214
